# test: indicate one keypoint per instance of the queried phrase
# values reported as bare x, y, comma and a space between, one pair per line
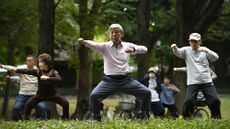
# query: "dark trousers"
173, 109
33, 101
157, 109
210, 95
110, 85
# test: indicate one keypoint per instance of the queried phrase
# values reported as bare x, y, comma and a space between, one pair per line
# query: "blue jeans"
110, 85
19, 106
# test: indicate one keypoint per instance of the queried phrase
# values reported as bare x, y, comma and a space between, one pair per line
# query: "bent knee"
42, 106
29, 104
93, 96
147, 92
215, 101
16, 108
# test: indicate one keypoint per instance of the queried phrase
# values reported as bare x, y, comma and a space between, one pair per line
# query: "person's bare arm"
174, 88
180, 69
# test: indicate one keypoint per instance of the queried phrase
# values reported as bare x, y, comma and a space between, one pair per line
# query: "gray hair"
117, 26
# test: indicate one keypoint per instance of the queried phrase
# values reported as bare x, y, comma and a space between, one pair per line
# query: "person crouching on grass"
47, 91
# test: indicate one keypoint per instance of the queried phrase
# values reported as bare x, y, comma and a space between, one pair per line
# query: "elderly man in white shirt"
197, 60
116, 55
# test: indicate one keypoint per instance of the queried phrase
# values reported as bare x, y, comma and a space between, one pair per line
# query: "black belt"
118, 76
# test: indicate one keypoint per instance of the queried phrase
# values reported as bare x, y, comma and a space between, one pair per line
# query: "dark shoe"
96, 118
140, 116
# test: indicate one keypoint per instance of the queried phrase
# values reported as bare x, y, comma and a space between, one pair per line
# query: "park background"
53, 26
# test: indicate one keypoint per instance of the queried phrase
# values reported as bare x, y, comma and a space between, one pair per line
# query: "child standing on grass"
47, 91
167, 96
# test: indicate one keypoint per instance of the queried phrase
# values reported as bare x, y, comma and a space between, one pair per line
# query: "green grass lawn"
152, 123
118, 124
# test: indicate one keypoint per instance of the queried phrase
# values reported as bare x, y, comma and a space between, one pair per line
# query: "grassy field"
118, 124
152, 123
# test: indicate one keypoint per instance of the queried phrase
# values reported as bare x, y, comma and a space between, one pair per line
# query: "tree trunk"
143, 21
87, 22
46, 37
192, 16
46, 26
5, 106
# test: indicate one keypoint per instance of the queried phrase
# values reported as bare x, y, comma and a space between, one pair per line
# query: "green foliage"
119, 11
220, 29
162, 23
18, 23
67, 30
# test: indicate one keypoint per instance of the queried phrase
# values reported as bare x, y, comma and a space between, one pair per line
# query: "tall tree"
192, 16
46, 34
46, 26
87, 20
143, 22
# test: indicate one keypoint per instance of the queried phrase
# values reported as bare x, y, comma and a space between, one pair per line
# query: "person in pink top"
116, 55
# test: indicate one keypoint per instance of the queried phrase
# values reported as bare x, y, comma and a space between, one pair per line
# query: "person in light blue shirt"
167, 96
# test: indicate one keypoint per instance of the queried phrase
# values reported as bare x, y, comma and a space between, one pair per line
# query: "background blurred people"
167, 96
28, 88
154, 86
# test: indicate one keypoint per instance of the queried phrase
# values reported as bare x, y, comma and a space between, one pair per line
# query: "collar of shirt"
112, 45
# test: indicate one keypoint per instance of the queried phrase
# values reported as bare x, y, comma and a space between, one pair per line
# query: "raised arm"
91, 44
174, 88
25, 71
54, 77
178, 51
8, 67
180, 69
136, 49
212, 56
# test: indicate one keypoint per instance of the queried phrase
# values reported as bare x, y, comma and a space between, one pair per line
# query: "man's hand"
43, 77
81, 41
13, 69
8, 67
173, 46
129, 50
170, 88
202, 49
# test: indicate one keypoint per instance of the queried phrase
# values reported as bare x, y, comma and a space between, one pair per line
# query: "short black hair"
46, 58
32, 56
168, 77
